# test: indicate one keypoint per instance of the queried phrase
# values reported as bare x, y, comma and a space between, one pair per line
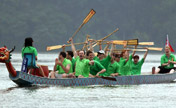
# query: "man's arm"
54, 69
134, 51
100, 45
173, 61
73, 48
67, 68
91, 62
63, 48
102, 71
91, 48
55, 66
162, 62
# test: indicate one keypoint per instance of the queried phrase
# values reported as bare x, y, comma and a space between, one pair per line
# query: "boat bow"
5, 58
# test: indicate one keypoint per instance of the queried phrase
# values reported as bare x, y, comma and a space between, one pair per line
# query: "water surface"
135, 96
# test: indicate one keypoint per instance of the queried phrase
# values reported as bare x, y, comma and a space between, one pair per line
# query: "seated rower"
102, 59
136, 64
113, 67
69, 55
117, 57
96, 68
62, 67
125, 62
82, 65
167, 62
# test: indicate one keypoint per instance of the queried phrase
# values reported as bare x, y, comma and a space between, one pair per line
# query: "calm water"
136, 96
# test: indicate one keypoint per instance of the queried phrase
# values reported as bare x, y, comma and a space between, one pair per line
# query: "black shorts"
164, 70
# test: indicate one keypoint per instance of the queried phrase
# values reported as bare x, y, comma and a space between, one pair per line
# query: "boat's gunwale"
121, 80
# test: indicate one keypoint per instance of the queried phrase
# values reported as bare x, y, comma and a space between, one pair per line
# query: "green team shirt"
29, 49
125, 68
165, 59
105, 62
82, 67
64, 63
112, 68
96, 67
136, 68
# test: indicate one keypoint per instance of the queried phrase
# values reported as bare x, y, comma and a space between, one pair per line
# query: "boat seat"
29, 62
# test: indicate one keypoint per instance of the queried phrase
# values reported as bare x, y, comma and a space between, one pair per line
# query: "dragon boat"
24, 79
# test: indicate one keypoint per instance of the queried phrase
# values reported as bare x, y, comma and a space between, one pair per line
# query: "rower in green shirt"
96, 68
62, 67
82, 65
104, 58
125, 62
167, 62
136, 64
113, 67
69, 55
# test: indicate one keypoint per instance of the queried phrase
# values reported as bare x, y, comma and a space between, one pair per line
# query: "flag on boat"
168, 44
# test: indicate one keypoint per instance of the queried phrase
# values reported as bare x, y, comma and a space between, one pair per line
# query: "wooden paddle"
150, 48
121, 42
130, 50
86, 41
146, 43
106, 37
154, 49
131, 42
60, 46
88, 17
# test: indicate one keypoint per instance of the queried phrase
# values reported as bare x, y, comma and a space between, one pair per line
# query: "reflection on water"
153, 95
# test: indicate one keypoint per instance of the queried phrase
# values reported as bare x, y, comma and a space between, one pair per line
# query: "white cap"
101, 52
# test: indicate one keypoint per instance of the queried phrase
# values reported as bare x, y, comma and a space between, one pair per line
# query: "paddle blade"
132, 42
89, 16
53, 47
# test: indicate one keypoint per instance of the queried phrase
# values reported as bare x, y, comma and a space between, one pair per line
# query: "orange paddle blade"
89, 16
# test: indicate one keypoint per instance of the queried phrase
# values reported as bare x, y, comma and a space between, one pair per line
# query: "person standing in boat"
96, 69
136, 64
62, 67
167, 62
82, 65
28, 48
